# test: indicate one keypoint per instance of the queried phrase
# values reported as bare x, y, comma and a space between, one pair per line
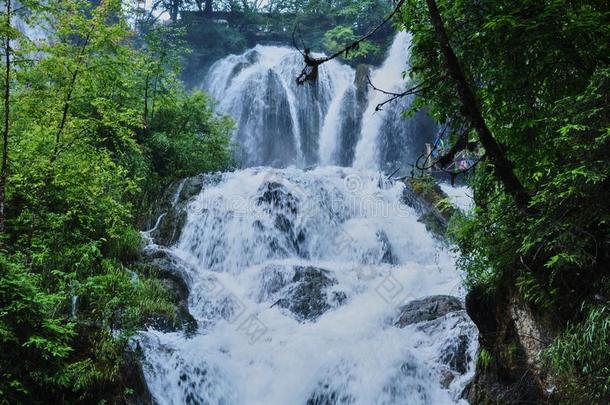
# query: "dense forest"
101, 112
538, 74
95, 123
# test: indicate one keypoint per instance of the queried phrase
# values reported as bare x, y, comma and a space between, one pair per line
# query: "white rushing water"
297, 277
388, 77
281, 123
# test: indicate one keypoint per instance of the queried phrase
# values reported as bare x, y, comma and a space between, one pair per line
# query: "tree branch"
310, 71
502, 166
417, 89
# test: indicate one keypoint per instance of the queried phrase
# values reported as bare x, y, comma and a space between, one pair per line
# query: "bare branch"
417, 89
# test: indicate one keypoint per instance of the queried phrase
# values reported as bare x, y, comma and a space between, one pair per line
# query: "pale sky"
149, 5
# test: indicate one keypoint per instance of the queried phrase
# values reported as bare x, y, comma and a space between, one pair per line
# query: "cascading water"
280, 122
298, 278
387, 139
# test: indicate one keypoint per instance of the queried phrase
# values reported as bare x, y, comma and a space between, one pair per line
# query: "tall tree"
7, 109
503, 168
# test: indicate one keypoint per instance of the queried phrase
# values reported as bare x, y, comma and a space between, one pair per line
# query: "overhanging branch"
310, 71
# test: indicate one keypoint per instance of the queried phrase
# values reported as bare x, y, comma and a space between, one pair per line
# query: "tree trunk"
503, 168
7, 110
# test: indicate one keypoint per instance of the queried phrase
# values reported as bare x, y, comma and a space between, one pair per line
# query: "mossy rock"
163, 269
424, 194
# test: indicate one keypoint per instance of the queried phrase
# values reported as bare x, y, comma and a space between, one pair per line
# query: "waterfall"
279, 122
386, 136
299, 279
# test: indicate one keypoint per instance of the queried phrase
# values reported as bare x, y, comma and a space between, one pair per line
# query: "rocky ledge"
429, 200
511, 335
437, 314
170, 213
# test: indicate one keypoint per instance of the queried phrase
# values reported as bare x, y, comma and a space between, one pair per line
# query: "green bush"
580, 359
98, 127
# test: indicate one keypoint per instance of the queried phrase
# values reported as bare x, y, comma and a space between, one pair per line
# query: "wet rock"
430, 201
329, 397
455, 355
427, 309
408, 385
454, 334
512, 334
172, 207
191, 187
278, 198
388, 255
447, 378
281, 202
132, 381
170, 227
273, 279
171, 273
362, 85
308, 297
433, 224
334, 389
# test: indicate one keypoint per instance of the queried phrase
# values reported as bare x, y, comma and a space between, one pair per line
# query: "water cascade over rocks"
309, 286
281, 123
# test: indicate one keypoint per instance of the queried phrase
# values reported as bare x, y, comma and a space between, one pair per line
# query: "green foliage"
208, 43
339, 37
34, 336
100, 123
580, 357
122, 301
330, 25
485, 358
188, 138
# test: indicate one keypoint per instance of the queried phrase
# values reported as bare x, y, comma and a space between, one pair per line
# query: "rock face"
277, 196
427, 309
307, 294
513, 335
132, 376
363, 71
171, 274
172, 207
437, 313
283, 202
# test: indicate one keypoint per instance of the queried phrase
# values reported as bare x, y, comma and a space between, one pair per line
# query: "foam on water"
296, 277
250, 351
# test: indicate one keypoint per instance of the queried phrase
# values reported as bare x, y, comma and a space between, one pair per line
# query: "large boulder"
452, 335
171, 273
427, 309
308, 295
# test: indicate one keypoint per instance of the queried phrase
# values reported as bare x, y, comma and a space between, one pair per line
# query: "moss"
439, 208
